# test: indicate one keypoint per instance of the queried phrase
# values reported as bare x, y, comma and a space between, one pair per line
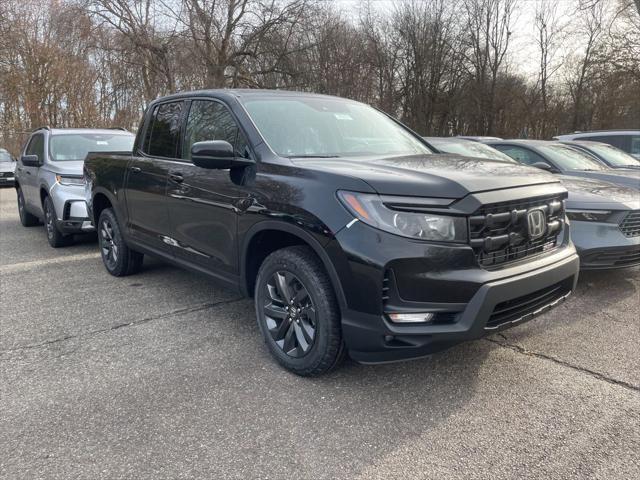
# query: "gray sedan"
559, 158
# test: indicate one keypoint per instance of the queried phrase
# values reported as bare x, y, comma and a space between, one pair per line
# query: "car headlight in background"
370, 209
589, 215
70, 180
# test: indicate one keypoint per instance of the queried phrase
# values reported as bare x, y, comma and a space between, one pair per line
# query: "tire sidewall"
320, 299
109, 216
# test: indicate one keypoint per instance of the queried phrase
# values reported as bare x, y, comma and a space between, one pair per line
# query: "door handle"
28, 172
135, 169
176, 177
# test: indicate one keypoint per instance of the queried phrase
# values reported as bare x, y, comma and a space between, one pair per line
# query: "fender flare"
305, 236
112, 199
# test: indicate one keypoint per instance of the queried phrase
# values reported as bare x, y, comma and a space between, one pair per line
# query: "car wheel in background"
298, 313
54, 236
26, 219
118, 258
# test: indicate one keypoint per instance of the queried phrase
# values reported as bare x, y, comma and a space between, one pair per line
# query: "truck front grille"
630, 226
499, 233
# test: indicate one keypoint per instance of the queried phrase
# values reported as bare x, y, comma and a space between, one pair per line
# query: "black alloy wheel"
290, 314
108, 246
54, 236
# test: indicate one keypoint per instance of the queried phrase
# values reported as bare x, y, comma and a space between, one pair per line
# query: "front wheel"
54, 236
298, 313
118, 258
26, 219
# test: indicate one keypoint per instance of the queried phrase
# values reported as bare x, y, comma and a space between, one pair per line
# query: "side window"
635, 145
522, 155
163, 131
210, 120
618, 141
36, 146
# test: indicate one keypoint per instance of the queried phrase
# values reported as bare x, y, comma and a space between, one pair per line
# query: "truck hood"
628, 178
66, 168
589, 193
445, 176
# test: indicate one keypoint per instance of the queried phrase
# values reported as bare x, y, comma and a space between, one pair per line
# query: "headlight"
69, 180
371, 210
588, 215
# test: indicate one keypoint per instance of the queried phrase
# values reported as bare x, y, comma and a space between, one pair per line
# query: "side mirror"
543, 166
30, 160
216, 154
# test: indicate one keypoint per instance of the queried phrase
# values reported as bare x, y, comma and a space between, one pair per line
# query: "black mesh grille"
630, 226
499, 235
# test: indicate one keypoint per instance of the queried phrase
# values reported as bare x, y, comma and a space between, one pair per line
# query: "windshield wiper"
313, 156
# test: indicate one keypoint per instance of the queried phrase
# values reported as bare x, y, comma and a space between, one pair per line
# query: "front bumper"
71, 209
10, 181
415, 276
603, 246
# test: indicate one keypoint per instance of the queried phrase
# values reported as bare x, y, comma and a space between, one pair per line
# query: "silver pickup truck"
49, 179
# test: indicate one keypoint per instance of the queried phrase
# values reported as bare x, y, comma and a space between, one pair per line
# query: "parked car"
556, 157
608, 155
626, 140
49, 180
466, 148
605, 218
7, 168
350, 234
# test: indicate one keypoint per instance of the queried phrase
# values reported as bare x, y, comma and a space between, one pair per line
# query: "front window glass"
615, 156
5, 156
76, 146
209, 121
327, 127
468, 148
569, 159
36, 146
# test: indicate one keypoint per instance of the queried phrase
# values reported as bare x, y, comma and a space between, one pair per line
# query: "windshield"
569, 159
327, 127
5, 156
469, 148
614, 156
75, 146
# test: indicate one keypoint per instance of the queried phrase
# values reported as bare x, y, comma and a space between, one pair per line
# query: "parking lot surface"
164, 375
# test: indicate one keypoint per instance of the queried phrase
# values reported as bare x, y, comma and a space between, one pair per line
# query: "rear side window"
36, 146
635, 145
163, 131
208, 121
618, 141
521, 155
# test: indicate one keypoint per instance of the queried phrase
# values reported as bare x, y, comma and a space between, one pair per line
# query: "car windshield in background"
5, 156
615, 156
75, 146
569, 159
319, 127
470, 148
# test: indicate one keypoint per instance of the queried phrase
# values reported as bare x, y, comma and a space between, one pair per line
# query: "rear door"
29, 175
204, 204
147, 173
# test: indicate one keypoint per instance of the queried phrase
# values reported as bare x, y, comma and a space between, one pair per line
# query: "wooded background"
443, 67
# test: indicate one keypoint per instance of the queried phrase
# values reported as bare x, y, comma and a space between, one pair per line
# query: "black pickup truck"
341, 223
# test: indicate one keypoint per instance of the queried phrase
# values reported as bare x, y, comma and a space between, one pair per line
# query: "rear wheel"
118, 258
54, 236
298, 313
26, 219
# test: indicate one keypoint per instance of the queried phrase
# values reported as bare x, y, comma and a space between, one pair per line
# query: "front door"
204, 204
147, 174
29, 175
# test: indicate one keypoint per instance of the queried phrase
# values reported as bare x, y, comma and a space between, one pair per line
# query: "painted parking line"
26, 266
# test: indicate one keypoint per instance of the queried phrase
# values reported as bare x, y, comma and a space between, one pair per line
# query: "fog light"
423, 317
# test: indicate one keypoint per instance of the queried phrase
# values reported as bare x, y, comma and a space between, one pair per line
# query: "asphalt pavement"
164, 375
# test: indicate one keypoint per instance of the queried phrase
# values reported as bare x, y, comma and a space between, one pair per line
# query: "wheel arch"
280, 235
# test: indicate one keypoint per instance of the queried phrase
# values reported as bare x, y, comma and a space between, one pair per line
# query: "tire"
26, 219
297, 312
54, 236
118, 258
